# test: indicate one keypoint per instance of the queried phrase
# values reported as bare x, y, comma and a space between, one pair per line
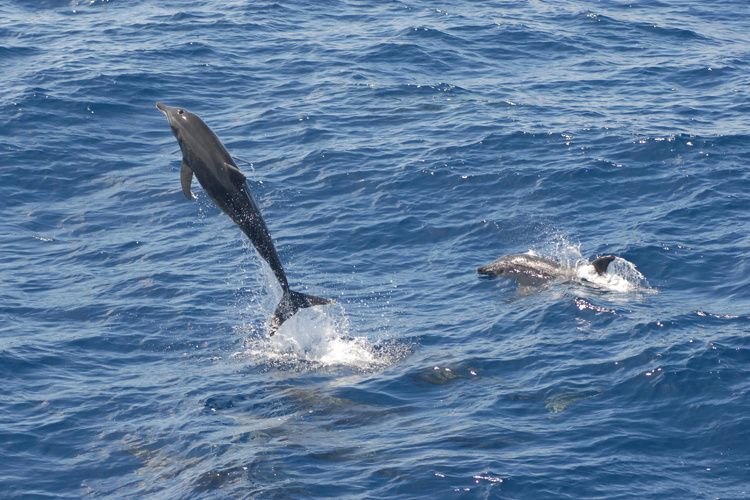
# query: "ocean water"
393, 147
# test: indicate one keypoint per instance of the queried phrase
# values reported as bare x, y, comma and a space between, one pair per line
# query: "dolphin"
204, 156
530, 269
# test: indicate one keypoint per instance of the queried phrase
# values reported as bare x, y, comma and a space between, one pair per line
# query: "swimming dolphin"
205, 156
532, 269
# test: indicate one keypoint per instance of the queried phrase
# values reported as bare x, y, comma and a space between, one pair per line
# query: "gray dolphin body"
204, 156
530, 269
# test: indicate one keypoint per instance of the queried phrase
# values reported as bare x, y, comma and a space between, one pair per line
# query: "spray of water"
622, 276
314, 338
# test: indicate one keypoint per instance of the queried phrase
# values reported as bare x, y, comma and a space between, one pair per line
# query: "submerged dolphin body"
530, 269
205, 156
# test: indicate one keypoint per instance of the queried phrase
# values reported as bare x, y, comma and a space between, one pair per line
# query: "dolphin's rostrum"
205, 156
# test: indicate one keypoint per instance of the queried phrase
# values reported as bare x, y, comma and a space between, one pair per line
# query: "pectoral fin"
186, 177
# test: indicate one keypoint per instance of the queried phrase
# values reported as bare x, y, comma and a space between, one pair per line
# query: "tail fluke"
290, 303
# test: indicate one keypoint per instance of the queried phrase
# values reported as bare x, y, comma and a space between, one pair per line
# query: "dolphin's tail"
292, 302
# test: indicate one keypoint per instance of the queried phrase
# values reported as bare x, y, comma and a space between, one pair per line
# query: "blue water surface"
393, 147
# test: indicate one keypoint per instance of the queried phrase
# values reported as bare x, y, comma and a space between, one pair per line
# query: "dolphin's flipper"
186, 177
601, 263
290, 303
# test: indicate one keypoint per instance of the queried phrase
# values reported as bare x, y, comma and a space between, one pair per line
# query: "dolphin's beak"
167, 110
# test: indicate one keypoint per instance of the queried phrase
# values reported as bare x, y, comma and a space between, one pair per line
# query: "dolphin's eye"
180, 111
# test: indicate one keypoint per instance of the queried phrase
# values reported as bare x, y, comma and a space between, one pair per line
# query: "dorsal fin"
235, 171
186, 178
601, 263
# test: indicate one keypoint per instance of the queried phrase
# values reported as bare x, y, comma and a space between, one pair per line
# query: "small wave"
613, 23
76, 5
392, 53
429, 34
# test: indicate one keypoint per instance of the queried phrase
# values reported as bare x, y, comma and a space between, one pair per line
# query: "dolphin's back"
205, 155
519, 264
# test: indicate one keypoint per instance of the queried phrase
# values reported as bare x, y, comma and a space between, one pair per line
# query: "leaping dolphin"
532, 269
205, 156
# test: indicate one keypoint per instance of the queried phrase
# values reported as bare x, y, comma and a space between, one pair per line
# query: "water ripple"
392, 148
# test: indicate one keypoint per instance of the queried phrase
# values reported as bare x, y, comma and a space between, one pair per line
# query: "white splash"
318, 337
622, 276
315, 337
